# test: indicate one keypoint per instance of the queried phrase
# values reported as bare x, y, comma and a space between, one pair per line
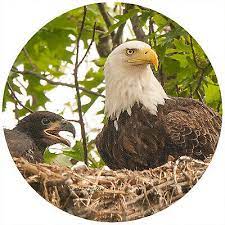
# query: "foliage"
184, 68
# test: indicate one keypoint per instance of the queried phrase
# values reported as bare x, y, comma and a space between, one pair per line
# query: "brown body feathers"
182, 127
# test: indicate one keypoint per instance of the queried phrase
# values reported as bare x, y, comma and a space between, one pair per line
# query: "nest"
107, 195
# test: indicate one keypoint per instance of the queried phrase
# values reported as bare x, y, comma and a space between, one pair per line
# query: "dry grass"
106, 195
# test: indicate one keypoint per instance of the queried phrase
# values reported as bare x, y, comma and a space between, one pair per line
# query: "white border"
204, 204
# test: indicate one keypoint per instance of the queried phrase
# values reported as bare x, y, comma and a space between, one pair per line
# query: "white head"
129, 79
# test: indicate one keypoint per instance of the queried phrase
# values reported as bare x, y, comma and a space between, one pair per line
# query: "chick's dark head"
44, 127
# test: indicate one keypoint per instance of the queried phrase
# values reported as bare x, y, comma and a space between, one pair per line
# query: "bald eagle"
145, 125
34, 133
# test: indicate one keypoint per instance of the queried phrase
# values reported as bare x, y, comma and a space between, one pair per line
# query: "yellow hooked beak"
145, 56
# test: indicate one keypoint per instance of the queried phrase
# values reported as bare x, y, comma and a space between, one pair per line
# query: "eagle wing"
193, 129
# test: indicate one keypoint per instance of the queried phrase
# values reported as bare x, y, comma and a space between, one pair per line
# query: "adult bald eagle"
34, 133
145, 125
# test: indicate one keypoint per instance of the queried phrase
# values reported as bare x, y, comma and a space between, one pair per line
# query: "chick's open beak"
145, 56
53, 131
67, 126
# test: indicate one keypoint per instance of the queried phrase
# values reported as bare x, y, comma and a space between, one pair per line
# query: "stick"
89, 46
75, 74
202, 69
16, 99
52, 82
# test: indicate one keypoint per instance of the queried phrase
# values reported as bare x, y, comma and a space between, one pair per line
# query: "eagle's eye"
130, 51
45, 121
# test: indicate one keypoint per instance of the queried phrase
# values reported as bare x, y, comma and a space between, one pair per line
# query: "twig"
27, 55
28, 72
202, 69
101, 195
16, 111
89, 46
194, 54
20, 83
191, 92
201, 78
72, 120
75, 74
218, 106
17, 100
200, 98
177, 90
189, 159
161, 75
151, 31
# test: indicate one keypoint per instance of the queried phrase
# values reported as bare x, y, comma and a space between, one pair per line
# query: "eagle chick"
34, 133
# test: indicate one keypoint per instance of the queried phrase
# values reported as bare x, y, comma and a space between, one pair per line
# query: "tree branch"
16, 99
105, 16
200, 82
104, 44
27, 55
75, 74
194, 54
151, 31
139, 32
28, 72
16, 111
117, 40
201, 69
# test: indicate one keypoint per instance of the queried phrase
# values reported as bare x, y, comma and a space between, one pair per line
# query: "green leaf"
181, 45
181, 58
122, 19
100, 62
144, 17
49, 157
212, 94
171, 66
92, 79
170, 36
160, 20
76, 153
